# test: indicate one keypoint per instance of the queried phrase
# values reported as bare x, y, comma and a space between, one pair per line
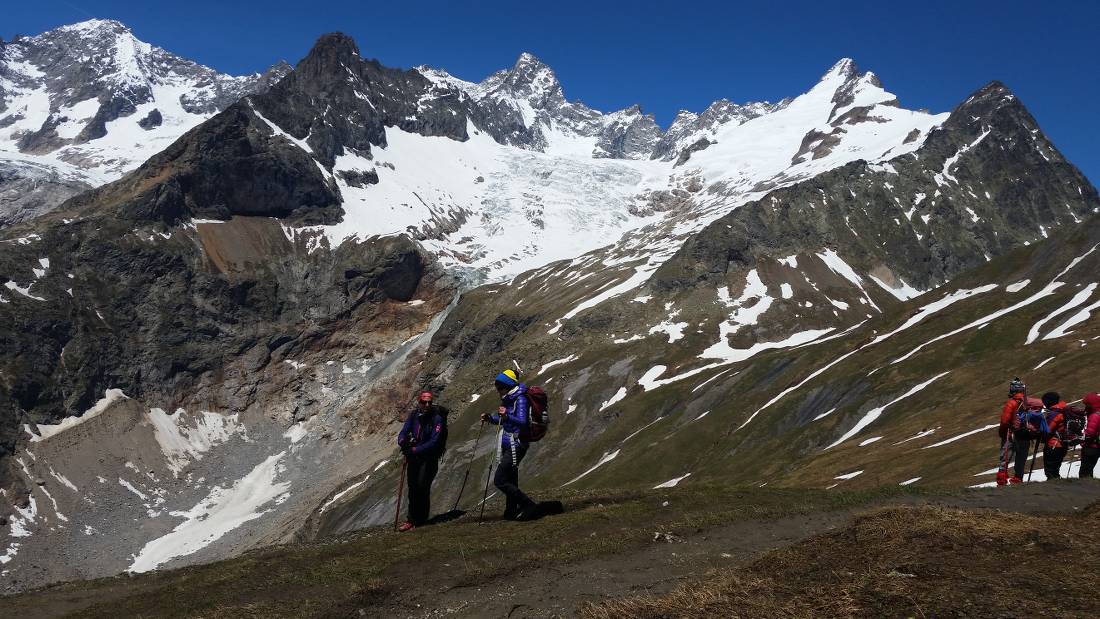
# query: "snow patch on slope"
223, 510
46, 431
874, 413
183, 438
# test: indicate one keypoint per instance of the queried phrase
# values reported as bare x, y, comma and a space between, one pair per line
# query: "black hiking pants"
1052, 461
1022, 443
507, 481
1089, 456
420, 475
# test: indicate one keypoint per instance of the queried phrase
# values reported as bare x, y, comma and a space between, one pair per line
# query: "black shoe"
531, 512
551, 508
510, 514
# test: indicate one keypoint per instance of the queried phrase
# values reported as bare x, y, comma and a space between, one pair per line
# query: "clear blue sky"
665, 56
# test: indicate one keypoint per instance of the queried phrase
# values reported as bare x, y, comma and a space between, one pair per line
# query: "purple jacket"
423, 431
515, 421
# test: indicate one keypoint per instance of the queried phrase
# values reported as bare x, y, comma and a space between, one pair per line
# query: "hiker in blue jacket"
512, 416
421, 441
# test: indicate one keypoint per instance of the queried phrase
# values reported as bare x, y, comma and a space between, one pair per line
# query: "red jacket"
1008, 414
1092, 417
1092, 430
1056, 420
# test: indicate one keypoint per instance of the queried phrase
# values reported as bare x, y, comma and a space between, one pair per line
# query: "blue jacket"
515, 421
424, 432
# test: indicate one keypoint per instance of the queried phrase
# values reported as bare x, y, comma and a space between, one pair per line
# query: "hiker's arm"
428, 445
1092, 428
404, 434
1006, 419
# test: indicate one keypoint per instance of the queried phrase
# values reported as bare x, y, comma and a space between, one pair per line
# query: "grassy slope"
782, 445
904, 562
369, 567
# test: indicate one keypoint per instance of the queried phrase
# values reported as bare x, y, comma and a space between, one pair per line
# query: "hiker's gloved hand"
406, 449
484, 417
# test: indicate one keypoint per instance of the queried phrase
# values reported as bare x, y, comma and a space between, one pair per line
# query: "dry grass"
360, 570
904, 562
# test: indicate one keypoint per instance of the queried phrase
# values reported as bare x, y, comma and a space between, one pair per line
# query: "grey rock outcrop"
28, 190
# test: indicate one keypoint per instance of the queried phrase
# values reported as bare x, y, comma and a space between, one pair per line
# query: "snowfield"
219, 513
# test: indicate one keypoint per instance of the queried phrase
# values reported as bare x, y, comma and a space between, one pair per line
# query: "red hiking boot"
1015, 480
407, 526
1002, 478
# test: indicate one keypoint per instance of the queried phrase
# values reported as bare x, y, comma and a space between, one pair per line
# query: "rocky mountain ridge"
216, 346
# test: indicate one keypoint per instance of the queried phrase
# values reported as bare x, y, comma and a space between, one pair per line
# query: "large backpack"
538, 414
1073, 428
1030, 417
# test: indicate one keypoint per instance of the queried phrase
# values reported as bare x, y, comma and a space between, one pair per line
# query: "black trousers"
507, 481
1022, 441
1089, 456
420, 474
1052, 461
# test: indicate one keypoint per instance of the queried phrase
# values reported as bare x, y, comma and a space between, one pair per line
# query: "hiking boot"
528, 513
1015, 480
510, 514
407, 526
1002, 478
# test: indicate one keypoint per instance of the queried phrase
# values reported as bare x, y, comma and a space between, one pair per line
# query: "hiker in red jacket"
1015, 441
1090, 448
1054, 451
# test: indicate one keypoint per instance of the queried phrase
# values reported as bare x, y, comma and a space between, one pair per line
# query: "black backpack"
1073, 430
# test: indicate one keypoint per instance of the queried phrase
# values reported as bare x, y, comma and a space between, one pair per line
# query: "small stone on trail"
897, 574
666, 537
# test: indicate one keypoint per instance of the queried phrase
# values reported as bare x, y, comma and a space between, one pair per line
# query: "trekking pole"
465, 477
489, 475
1034, 454
400, 491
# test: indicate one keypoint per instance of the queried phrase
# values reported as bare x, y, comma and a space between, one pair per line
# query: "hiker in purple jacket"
512, 416
421, 441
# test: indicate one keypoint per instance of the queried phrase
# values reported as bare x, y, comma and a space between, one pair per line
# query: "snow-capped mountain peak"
126, 61
90, 102
843, 68
533, 80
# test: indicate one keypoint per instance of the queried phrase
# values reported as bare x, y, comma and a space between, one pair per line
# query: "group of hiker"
1026, 423
522, 417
